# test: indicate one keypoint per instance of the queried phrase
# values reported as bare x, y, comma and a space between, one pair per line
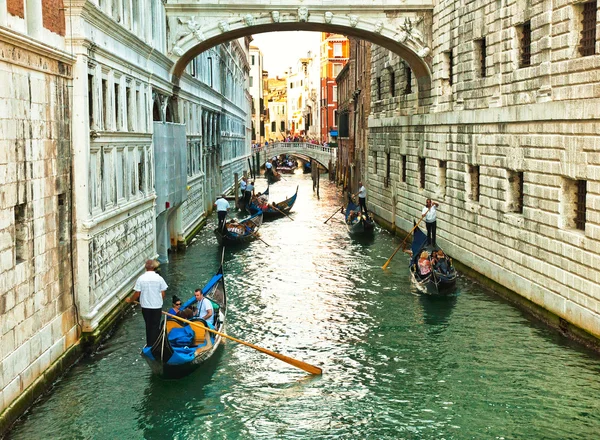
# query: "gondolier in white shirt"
222, 207
243, 184
150, 289
430, 214
249, 193
362, 197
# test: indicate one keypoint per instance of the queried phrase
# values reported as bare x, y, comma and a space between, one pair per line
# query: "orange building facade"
335, 52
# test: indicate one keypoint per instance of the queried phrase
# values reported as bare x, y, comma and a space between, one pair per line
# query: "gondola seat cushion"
181, 337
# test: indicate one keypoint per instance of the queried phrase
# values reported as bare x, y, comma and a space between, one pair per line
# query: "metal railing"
298, 147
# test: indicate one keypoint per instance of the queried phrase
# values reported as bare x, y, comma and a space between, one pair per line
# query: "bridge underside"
404, 29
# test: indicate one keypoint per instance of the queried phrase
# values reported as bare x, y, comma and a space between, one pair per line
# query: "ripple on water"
397, 363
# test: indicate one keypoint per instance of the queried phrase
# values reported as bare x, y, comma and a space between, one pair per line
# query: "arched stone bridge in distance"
404, 27
304, 150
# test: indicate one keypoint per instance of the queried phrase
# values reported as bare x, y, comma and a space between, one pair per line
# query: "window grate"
587, 45
482, 57
450, 67
408, 75
404, 168
474, 173
580, 208
422, 171
526, 45
388, 170
521, 190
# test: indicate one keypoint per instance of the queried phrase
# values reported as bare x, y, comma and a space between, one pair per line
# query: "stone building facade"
38, 322
507, 142
335, 49
354, 103
89, 103
123, 76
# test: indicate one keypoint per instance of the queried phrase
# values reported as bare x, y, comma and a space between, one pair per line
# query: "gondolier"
430, 214
243, 184
248, 193
222, 207
150, 289
362, 197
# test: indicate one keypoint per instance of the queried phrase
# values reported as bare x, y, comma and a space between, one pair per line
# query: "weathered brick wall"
53, 15
16, 7
37, 316
539, 120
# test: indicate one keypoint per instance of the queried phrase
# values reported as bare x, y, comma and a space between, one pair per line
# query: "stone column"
35, 24
3, 13
81, 183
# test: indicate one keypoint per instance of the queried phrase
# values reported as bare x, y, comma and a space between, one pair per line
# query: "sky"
282, 50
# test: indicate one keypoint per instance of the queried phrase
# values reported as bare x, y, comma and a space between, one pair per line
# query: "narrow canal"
397, 363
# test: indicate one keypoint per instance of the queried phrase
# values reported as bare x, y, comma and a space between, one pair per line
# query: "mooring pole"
236, 188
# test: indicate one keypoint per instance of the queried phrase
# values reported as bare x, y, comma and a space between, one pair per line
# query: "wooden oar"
341, 209
277, 209
402, 244
295, 362
256, 235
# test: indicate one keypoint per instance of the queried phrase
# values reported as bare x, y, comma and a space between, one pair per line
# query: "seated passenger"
441, 264
186, 313
424, 264
176, 306
205, 308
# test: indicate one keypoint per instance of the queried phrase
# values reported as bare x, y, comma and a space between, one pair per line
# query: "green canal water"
397, 363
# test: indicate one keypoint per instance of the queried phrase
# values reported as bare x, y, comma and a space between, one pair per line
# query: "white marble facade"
123, 79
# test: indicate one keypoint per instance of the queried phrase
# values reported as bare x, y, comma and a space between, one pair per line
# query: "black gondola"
357, 222
269, 212
243, 231
182, 348
272, 175
440, 275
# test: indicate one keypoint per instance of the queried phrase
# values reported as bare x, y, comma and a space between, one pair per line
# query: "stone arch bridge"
325, 156
402, 26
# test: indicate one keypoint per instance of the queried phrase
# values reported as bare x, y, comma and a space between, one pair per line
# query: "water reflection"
397, 363
167, 405
437, 310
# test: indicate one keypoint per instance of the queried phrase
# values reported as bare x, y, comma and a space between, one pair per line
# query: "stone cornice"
27, 43
588, 109
87, 11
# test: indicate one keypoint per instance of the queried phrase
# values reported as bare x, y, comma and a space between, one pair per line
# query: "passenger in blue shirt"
176, 305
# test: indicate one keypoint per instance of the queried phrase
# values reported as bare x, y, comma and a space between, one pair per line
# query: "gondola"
181, 348
306, 169
272, 175
357, 222
269, 212
286, 170
441, 278
239, 232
